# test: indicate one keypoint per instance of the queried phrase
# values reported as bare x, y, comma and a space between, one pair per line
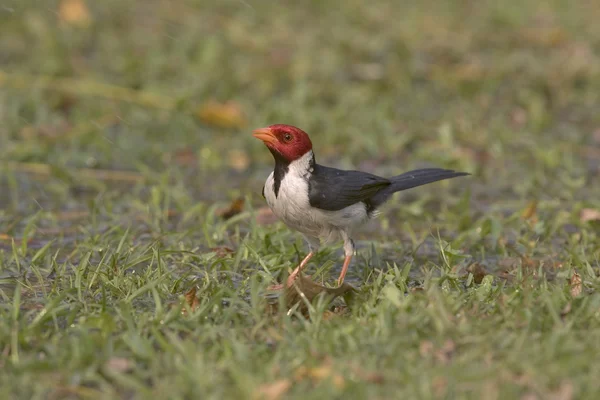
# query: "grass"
126, 132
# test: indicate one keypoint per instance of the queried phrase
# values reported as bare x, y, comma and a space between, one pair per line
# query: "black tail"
411, 179
418, 177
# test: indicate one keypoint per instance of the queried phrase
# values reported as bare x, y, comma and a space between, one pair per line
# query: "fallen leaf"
442, 354
596, 135
222, 251
368, 71
238, 160
74, 12
236, 207
425, 348
48, 133
470, 71
65, 103
32, 306
119, 364
576, 284
445, 353
478, 272
518, 117
370, 377
185, 157
337, 312
529, 396
589, 214
224, 115
83, 173
191, 300
564, 392
440, 386
549, 36
320, 373
529, 213
274, 390
5, 353
265, 216
566, 310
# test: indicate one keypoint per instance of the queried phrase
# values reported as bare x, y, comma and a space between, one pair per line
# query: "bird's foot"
288, 283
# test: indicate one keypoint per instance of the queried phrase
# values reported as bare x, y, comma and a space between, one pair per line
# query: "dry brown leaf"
327, 315
478, 272
185, 157
119, 364
369, 377
564, 392
589, 214
337, 312
445, 353
48, 132
529, 213
566, 310
191, 300
5, 353
265, 216
236, 207
8, 239
596, 135
224, 115
518, 117
530, 396
440, 386
425, 348
238, 160
442, 354
576, 284
32, 306
274, 390
470, 71
320, 373
74, 12
84, 173
550, 36
222, 251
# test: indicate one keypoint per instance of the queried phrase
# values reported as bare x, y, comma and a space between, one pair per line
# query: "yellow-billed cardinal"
321, 202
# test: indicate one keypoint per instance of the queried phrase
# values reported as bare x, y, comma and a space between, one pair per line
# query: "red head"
285, 141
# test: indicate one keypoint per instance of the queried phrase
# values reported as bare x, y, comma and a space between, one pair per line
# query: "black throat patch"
281, 168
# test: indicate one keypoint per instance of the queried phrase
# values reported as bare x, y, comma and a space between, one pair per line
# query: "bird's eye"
287, 137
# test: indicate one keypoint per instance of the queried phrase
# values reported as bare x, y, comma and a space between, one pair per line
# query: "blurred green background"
125, 135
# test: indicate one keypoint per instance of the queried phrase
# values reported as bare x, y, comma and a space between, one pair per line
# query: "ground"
135, 249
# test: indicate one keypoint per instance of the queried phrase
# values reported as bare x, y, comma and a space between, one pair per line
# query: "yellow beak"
266, 135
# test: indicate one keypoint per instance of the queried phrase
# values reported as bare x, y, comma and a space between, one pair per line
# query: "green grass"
113, 172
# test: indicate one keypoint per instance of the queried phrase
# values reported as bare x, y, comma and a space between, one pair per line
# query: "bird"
325, 203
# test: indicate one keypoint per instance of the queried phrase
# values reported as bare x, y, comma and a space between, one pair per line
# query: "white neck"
302, 165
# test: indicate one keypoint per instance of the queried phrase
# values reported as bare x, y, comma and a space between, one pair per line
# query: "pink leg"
294, 273
299, 268
344, 270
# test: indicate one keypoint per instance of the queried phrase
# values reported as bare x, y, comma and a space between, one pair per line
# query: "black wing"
333, 189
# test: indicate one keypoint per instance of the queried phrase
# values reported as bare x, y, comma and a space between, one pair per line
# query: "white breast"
293, 208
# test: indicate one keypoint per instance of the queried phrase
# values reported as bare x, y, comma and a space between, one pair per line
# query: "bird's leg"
299, 268
313, 244
344, 270
349, 252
